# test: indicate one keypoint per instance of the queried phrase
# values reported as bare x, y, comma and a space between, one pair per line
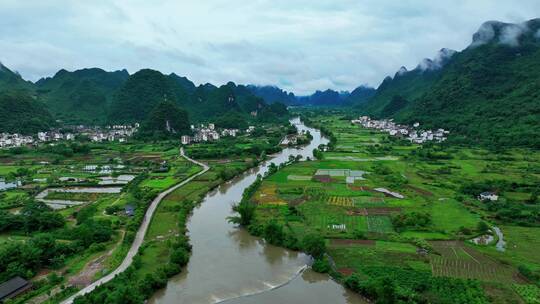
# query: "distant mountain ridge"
325, 98
95, 96
488, 93
328, 97
272, 94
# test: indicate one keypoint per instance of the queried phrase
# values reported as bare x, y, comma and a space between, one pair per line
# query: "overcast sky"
299, 45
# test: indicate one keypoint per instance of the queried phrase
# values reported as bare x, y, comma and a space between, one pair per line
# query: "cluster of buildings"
54, 136
413, 134
203, 133
118, 133
96, 134
14, 140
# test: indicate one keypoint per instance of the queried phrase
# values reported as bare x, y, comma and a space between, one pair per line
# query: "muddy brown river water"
230, 266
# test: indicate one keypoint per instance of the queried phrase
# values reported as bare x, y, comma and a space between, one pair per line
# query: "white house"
484, 196
42, 136
185, 140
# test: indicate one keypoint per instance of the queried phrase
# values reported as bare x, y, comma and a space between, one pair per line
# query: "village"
206, 133
118, 133
412, 134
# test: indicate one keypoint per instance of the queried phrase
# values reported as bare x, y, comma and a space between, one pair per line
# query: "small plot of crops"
86, 197
340, 201
529, 293
379, 224
298, 177
368, 201
456, 260
267, 195
336, 222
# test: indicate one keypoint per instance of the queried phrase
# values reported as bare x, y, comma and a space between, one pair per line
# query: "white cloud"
485, 34
437, 62
511, 33
300, 45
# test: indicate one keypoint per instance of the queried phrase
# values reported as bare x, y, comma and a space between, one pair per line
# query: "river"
230, 266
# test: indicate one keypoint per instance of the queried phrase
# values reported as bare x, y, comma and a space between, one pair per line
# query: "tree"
180, 256
315, 245
246, 212
321, 265
166, 119
482, 227
273, 233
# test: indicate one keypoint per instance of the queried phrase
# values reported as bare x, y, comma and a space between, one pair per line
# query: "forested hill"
95, 96
360, 95
80, 96
489, 93
12, 80
145, 89
20, 113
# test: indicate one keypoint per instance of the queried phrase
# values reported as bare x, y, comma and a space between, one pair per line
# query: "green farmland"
412, 212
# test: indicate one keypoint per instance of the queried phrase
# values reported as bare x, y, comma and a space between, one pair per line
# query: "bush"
180, 256
315, 245
273, 233
321, 265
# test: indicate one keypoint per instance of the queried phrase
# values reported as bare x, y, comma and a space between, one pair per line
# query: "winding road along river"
230, 266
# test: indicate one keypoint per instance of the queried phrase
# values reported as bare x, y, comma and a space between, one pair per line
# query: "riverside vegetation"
411, 243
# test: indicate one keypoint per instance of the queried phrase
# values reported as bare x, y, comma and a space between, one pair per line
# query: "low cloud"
484, 35
437, 62
402, 70
511, 33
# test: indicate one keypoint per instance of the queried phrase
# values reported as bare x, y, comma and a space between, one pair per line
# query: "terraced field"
458, 260
379, 224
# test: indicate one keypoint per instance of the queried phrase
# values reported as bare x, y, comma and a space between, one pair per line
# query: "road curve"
139, 238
